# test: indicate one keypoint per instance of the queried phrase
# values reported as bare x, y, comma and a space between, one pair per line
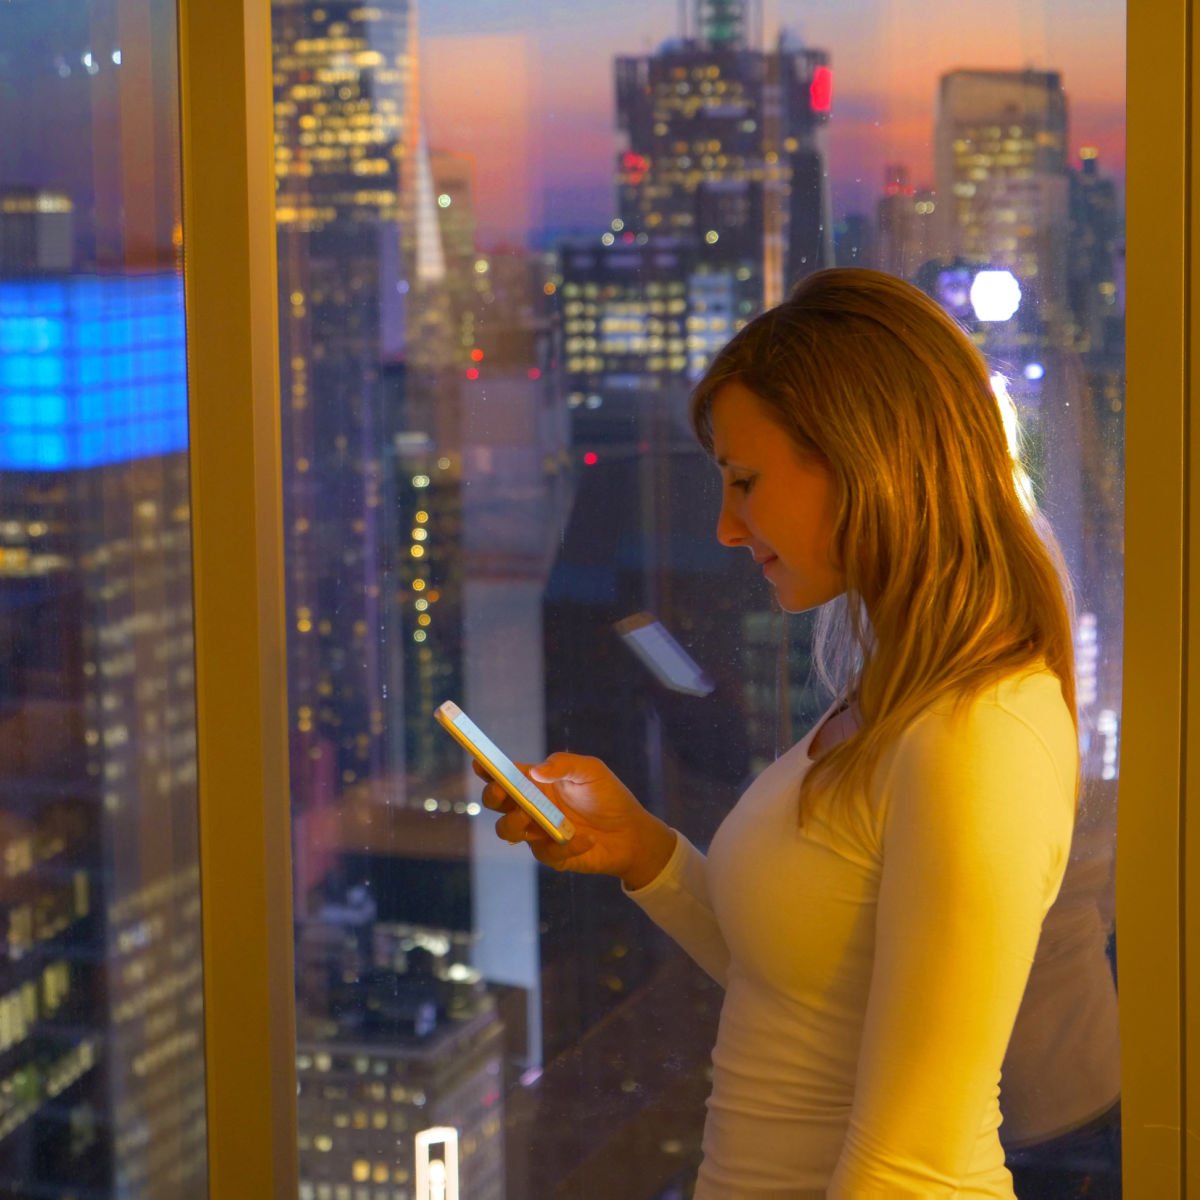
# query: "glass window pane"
101, 1035
511, 239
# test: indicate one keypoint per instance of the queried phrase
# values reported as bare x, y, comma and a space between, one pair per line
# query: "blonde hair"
953, 579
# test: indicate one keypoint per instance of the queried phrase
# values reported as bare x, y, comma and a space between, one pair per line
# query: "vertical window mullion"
245, 855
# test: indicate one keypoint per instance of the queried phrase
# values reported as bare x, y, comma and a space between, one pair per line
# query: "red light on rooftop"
591, 458
820, 91
534, 373
472, 372
477, 355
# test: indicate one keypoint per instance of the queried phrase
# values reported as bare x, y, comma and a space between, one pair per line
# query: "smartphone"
531, 799
667, 660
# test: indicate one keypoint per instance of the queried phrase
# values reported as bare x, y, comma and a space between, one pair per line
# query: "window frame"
1158, 851
244, 813
241, 711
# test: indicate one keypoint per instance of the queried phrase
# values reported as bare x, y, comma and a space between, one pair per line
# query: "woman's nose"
730, 529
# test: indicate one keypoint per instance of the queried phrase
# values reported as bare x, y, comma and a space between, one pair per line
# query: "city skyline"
542, 75
554, 101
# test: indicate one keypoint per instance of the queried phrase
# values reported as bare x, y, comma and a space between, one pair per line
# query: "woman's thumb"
563, 768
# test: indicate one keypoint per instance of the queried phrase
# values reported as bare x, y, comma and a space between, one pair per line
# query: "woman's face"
777, 501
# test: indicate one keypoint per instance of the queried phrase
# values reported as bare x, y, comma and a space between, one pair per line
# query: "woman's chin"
801, 600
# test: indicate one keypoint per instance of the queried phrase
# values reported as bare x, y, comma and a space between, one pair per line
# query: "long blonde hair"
953, 579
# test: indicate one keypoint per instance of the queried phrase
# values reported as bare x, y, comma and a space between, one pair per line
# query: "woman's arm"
614, 835
676, 900
975, 840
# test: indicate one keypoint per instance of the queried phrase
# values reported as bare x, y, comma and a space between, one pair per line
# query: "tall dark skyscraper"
722, 142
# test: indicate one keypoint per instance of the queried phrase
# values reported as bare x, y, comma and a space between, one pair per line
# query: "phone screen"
669, 662
475, 741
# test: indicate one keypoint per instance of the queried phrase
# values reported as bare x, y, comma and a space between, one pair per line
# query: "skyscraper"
1001, 177
396, 1033
346, 149
101, 1068
722, 142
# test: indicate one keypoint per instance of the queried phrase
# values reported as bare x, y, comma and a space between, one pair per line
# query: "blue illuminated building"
93, 371
101, 1079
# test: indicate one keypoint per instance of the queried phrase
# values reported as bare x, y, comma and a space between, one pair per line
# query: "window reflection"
505, 255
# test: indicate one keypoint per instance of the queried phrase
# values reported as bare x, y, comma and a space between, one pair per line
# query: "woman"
873, 901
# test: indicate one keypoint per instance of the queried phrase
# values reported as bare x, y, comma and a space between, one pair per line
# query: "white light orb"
995, 295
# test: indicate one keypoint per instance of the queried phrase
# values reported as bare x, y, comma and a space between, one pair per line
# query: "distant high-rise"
722, 142
454, 184
1093, 258
904, 224
1001, 176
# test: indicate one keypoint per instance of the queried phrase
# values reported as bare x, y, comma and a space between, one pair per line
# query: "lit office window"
510, 240
101, 1047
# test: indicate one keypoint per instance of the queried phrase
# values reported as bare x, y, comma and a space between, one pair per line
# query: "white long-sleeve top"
874, 960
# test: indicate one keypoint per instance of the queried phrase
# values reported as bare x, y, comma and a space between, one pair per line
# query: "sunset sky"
525, 87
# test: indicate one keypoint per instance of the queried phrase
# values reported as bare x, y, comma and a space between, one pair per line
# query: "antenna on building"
723, 23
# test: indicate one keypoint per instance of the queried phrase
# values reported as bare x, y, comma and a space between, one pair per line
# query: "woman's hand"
614, 834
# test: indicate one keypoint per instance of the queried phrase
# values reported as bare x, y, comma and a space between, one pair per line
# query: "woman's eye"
741, 484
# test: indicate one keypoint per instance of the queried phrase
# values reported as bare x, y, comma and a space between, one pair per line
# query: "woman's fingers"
493, 796
497, 799
551, 854
515, 826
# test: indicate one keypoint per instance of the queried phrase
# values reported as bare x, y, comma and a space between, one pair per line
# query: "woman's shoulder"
1016, 726
1031, 697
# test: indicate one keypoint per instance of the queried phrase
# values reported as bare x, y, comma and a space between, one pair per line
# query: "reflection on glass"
509, 241
101, 1052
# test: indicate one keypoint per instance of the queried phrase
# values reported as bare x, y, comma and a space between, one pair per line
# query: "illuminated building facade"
625, 311
396, 1034
1000, 147
101, 1065
422, 538
723, 142
345, 145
